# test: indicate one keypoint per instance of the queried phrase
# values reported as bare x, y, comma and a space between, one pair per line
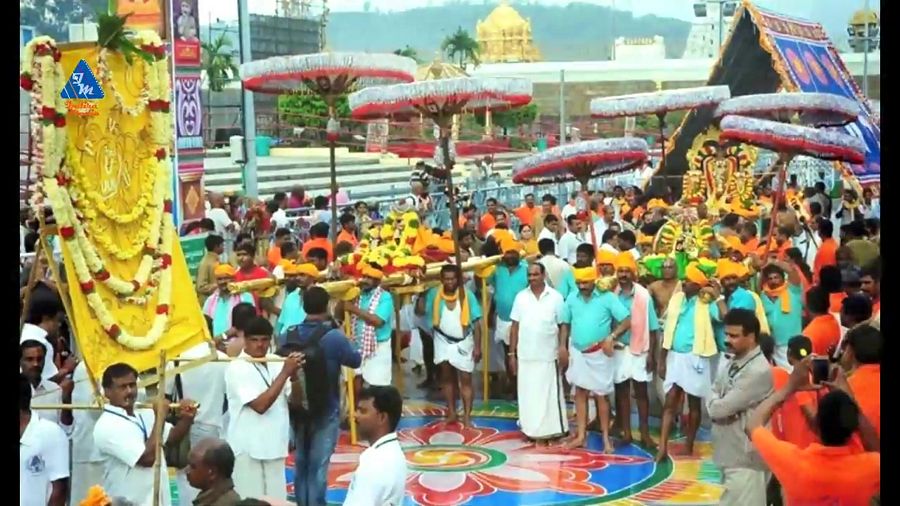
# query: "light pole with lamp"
726, 8
867, 35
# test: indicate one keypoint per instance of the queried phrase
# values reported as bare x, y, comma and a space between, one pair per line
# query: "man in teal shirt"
736, 297
373, 317
782, 300
634, 361
588, 316
297, 279
510, 278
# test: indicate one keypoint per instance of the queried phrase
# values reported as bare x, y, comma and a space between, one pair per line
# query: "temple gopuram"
505, 37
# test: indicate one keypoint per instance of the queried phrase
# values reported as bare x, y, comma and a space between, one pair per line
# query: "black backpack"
315, 371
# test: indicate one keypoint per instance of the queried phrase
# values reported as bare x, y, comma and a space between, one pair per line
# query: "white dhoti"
407, 317
459, 355
629, 366
594, 371
688, 371
542, 402
416, 349
376, 370
259, 478
84, 476
501, 330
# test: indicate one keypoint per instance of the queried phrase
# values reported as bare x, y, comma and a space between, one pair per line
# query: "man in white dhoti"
588, 317
372, 321
537, 356
635, 362
508, 279
457, 338
688, 344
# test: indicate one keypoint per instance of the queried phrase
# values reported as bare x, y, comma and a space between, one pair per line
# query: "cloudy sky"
831, 13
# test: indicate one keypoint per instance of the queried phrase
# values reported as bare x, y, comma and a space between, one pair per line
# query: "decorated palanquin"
684, 237
107, 176
720, 176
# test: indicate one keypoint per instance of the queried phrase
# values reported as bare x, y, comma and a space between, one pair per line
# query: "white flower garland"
155, 267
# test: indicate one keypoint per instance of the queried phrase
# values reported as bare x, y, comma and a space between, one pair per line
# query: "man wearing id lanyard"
745, 383
127, 438
380, 479
258, 429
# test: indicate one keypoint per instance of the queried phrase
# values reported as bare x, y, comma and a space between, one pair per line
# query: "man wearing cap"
219, 305
634, 364
372, 323
297, 279
587, 319
730, 274
783, 302
537, 356
688, 345
510, 278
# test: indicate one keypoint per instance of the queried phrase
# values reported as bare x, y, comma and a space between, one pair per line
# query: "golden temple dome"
505, 36
504, 18
438, 69
863, 16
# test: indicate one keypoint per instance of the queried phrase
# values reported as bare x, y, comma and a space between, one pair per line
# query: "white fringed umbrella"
659, 103
581, 162
329, 75
813, 109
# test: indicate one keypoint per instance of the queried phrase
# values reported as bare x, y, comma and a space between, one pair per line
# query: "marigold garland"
41, 71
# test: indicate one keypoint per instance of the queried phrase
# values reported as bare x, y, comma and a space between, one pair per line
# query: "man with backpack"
325, 349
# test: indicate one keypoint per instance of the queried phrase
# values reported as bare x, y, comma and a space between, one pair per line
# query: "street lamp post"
869, 34
725, 8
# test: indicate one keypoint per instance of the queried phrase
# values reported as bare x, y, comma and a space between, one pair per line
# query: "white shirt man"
568, 245
220, 219
380, 479
259, 441
43, 459
557, 269
280, 219
48, 392
121, 440
35, 333
546, 233
206, 385
536, 321
87, 463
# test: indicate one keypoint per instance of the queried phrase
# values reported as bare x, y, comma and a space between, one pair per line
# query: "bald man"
210, 465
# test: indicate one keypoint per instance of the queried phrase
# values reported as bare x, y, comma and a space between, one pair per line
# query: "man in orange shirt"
871, 285
749, 238
318, 238
833, 472
488, 220
861, 357
798, 413
827, 250
823, 329
348, 230
528, 211
274, 254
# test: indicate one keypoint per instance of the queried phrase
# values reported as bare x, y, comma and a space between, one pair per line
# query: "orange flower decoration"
96, 497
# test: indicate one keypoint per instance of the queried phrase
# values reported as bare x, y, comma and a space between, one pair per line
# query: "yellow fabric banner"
112, 158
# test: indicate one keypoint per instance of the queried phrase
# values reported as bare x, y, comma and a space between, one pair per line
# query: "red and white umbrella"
329, 75
580, 162
812, 109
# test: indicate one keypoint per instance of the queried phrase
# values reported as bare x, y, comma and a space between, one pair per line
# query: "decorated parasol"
331, 76
581, 162
441, 100
791, 140
811, 109
659, 103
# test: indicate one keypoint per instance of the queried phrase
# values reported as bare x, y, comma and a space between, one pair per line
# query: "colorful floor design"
492, 464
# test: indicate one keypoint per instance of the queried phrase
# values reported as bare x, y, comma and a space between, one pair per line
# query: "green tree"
218, 63
309, 110
511, 119
462, 47
52, 17
408, 52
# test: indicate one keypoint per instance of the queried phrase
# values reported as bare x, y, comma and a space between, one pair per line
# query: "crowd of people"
778, 348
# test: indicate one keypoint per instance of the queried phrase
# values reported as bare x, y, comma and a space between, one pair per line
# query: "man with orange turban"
508, 279
635, 361
730, 275
688, 345
372, 321
590, 337
219, 305
606, 262
298, 278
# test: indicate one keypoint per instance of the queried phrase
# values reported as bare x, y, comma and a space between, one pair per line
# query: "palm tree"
217, 62
408, 52
461, 45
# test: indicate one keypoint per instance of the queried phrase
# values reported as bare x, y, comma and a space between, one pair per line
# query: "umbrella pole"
451, 194
661, 116
332, 138
485, 343
783, 160
590, 213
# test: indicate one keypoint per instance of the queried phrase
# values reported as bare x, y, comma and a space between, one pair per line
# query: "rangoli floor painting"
492, 464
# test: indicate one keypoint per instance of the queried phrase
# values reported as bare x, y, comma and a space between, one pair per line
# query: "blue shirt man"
627, 300
785, 325
292, 312
683, 340
740, 298
591, 320
384, 310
